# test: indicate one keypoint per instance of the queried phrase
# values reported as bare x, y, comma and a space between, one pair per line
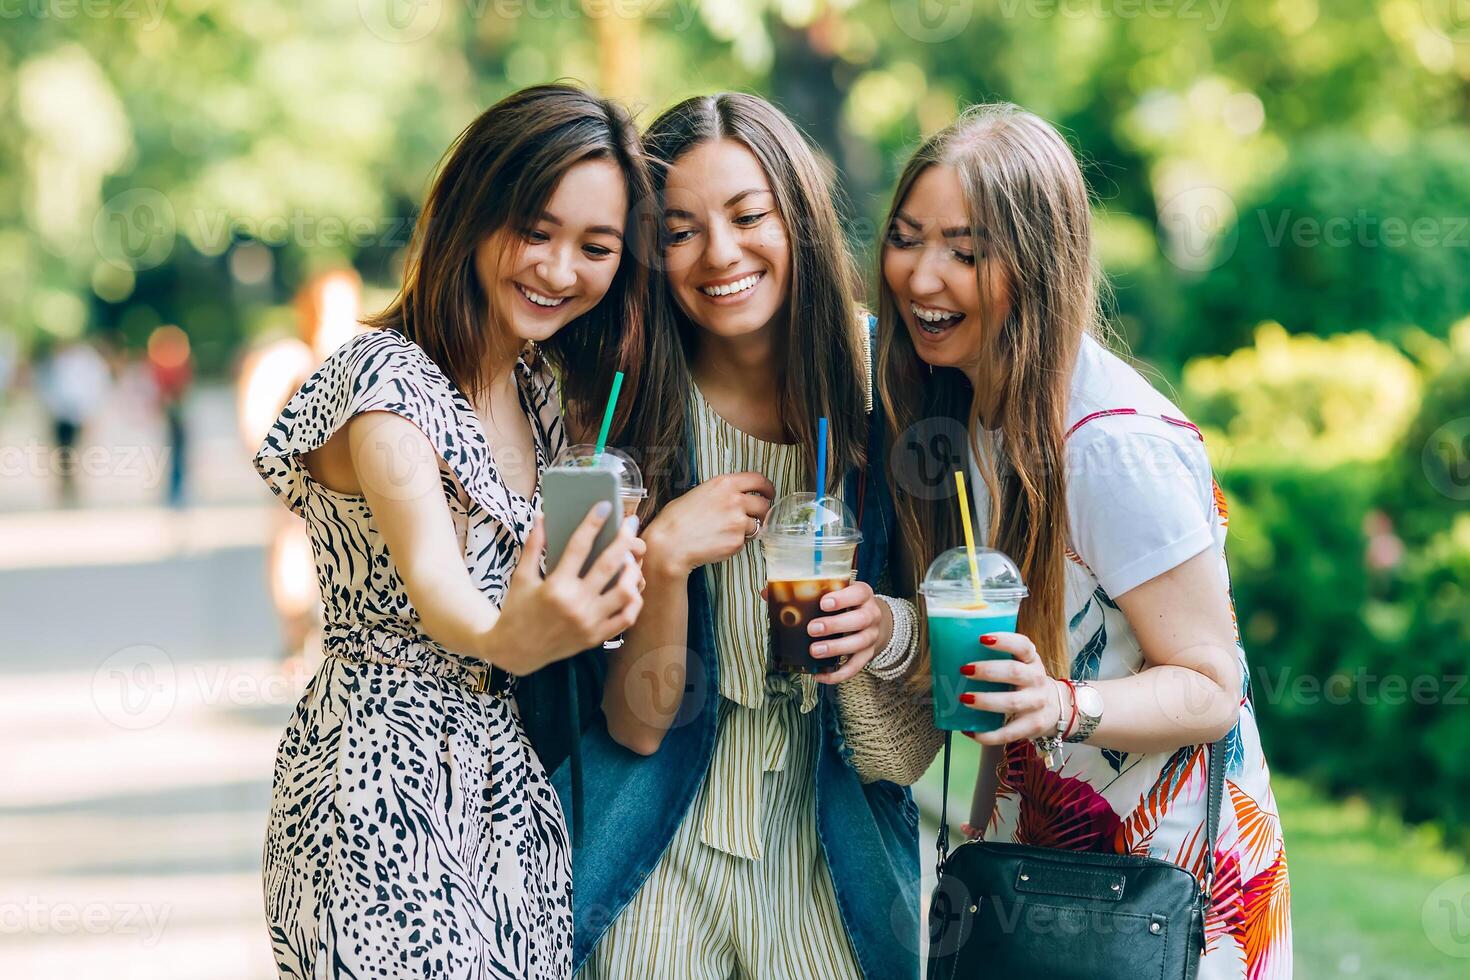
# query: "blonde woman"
1102, 492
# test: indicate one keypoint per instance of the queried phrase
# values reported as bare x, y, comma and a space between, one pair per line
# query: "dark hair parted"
821, 353
499, 173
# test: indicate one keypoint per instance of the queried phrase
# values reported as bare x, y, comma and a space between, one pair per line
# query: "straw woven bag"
889, 726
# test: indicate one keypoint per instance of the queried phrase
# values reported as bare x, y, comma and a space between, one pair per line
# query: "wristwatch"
1089, 711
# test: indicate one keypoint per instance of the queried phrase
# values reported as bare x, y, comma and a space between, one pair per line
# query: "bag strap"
1212, 812
942, 843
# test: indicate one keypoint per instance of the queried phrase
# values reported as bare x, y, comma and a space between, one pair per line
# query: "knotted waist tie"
734, 809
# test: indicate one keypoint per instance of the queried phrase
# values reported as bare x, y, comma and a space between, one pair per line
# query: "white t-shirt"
1140, 491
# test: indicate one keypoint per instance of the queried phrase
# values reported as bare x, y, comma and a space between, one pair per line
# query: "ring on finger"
755, 530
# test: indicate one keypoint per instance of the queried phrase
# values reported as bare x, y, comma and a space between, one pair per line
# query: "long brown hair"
823, 364
1027, 201
499, 173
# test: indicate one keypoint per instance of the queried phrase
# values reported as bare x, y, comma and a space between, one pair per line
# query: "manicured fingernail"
829, 603
988, 640
602, 509
631, 523
817, 629
968, 670
967, 699
968, 734
819, 650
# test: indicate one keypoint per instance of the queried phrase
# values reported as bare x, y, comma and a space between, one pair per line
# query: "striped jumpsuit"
743, 889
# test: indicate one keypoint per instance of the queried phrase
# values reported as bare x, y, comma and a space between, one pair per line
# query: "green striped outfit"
743, 889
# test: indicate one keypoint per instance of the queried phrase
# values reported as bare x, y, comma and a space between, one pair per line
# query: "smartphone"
567, 497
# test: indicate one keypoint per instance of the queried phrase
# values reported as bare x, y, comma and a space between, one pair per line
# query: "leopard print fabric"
412, 829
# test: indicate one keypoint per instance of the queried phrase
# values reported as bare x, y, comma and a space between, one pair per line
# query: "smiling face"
543, 277
726, 251
933, 264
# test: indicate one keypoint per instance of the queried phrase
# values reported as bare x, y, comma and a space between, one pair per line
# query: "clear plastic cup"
809, 543
631, 491
956, 622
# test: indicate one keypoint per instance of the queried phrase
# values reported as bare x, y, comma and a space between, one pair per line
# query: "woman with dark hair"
1126, 674
728, 834
412, 827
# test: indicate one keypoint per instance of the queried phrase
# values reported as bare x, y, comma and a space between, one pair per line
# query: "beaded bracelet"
895, 659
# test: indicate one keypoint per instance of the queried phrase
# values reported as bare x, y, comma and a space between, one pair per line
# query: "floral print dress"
1142, 500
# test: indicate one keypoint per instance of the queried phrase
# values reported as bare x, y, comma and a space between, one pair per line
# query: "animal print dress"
412, 830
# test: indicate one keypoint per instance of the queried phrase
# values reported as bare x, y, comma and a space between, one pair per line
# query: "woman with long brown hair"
412, 827
728, 835
1127, 651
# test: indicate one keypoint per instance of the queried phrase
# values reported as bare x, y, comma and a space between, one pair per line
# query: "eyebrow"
681, 213
958, 231
552, 219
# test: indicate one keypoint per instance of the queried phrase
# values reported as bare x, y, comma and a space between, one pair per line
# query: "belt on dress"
360, 643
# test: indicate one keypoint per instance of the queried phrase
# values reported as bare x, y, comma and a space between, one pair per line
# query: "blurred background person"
72, 381
171, 368
328, 307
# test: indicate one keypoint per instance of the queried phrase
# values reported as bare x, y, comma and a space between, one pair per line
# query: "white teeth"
539, 299
932, 316
730, 289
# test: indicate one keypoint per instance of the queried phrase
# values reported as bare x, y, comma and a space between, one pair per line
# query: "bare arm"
646, 678
1187, 694
541, 619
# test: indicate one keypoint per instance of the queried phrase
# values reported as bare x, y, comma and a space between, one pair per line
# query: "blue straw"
821, 483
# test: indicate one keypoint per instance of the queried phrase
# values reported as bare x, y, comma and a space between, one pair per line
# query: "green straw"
607, 416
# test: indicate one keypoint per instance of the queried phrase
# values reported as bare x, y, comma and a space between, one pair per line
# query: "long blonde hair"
1027, 201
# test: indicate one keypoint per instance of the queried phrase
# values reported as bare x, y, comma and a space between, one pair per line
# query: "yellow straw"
959, 481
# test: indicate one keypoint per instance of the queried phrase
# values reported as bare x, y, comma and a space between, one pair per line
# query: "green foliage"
1348, 237
1428, 484
1351, 568
1303, 398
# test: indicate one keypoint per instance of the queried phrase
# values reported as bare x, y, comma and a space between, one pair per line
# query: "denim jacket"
634, 804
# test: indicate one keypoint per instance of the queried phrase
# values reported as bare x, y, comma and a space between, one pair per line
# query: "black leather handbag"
1008, 910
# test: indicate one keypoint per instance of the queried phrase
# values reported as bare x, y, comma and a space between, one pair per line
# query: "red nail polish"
968, 670
969, 734
988, 640
967, 699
